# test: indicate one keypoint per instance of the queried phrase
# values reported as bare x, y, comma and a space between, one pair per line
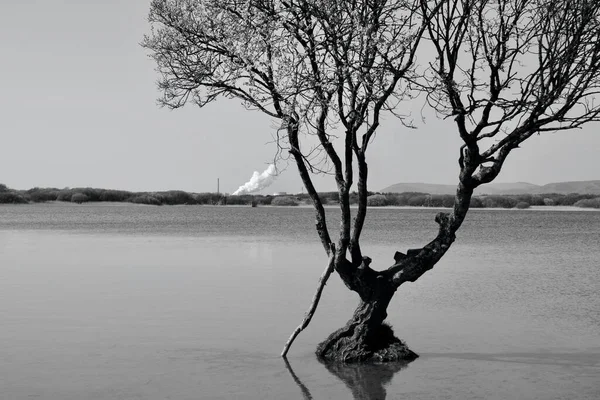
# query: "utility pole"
218, 191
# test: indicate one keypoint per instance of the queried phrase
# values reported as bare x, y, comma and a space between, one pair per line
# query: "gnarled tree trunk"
366, 337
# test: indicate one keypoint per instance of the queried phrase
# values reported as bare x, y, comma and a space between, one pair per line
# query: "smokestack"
258, 181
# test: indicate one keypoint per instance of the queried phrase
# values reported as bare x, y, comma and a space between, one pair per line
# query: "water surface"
194, 302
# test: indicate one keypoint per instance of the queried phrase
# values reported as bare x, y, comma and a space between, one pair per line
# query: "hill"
581, 187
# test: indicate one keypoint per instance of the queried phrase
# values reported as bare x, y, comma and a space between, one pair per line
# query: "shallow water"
127, 302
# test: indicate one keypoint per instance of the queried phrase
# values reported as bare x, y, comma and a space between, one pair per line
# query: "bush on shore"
12, 198
210, 198
497, 201
79, 198
264, 200
588, 203
522, 205
40, 195
115, 196
64, 195
284, 201
476, 203
238, 200
145, 199
377, 200
175, 197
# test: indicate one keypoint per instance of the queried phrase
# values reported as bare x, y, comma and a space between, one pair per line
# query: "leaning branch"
315, 301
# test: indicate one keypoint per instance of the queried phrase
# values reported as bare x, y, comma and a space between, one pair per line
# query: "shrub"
146, 199
64, 195
377, 200
441, 200
284, 201
264, 200
522, 205
396, 199
570, 199
393, 199
548, 202
12, 198
209, 198
588, 203
522, 198
174, 197
419, 200
239, 200
487, 202
79, 198
303, 197
115, 195
91, 193
476, 202
331, 197
537, 200
498, 202
38, 195
507, 202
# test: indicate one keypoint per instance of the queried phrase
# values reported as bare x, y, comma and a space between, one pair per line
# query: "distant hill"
581, 187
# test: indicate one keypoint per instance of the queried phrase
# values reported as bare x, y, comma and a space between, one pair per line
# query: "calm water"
127, 302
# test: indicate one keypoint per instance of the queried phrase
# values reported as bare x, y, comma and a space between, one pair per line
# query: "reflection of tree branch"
305, 392
366, 381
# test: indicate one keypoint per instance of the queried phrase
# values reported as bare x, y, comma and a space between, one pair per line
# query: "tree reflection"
305, 392
365, 381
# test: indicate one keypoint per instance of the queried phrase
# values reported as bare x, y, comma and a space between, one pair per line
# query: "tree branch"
315, 302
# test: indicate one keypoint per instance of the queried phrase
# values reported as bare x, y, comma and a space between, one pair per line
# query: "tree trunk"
366, 337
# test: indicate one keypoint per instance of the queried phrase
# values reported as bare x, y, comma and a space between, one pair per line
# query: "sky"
78, 109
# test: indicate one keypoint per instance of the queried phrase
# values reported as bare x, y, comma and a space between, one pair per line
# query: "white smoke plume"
258, 181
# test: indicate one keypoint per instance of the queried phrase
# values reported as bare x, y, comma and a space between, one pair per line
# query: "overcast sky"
78, 108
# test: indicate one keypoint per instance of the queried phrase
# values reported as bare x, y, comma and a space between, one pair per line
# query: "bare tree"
503, 70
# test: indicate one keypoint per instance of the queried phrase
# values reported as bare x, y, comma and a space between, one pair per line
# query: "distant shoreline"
305, 205
409, 200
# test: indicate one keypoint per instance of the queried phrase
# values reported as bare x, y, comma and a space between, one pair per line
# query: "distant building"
279, 193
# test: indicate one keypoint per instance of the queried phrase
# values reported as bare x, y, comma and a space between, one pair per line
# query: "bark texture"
366, 337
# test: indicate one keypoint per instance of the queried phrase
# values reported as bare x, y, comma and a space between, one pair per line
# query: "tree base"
354, 343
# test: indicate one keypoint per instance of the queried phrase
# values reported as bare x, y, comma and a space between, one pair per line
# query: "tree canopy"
502, 70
